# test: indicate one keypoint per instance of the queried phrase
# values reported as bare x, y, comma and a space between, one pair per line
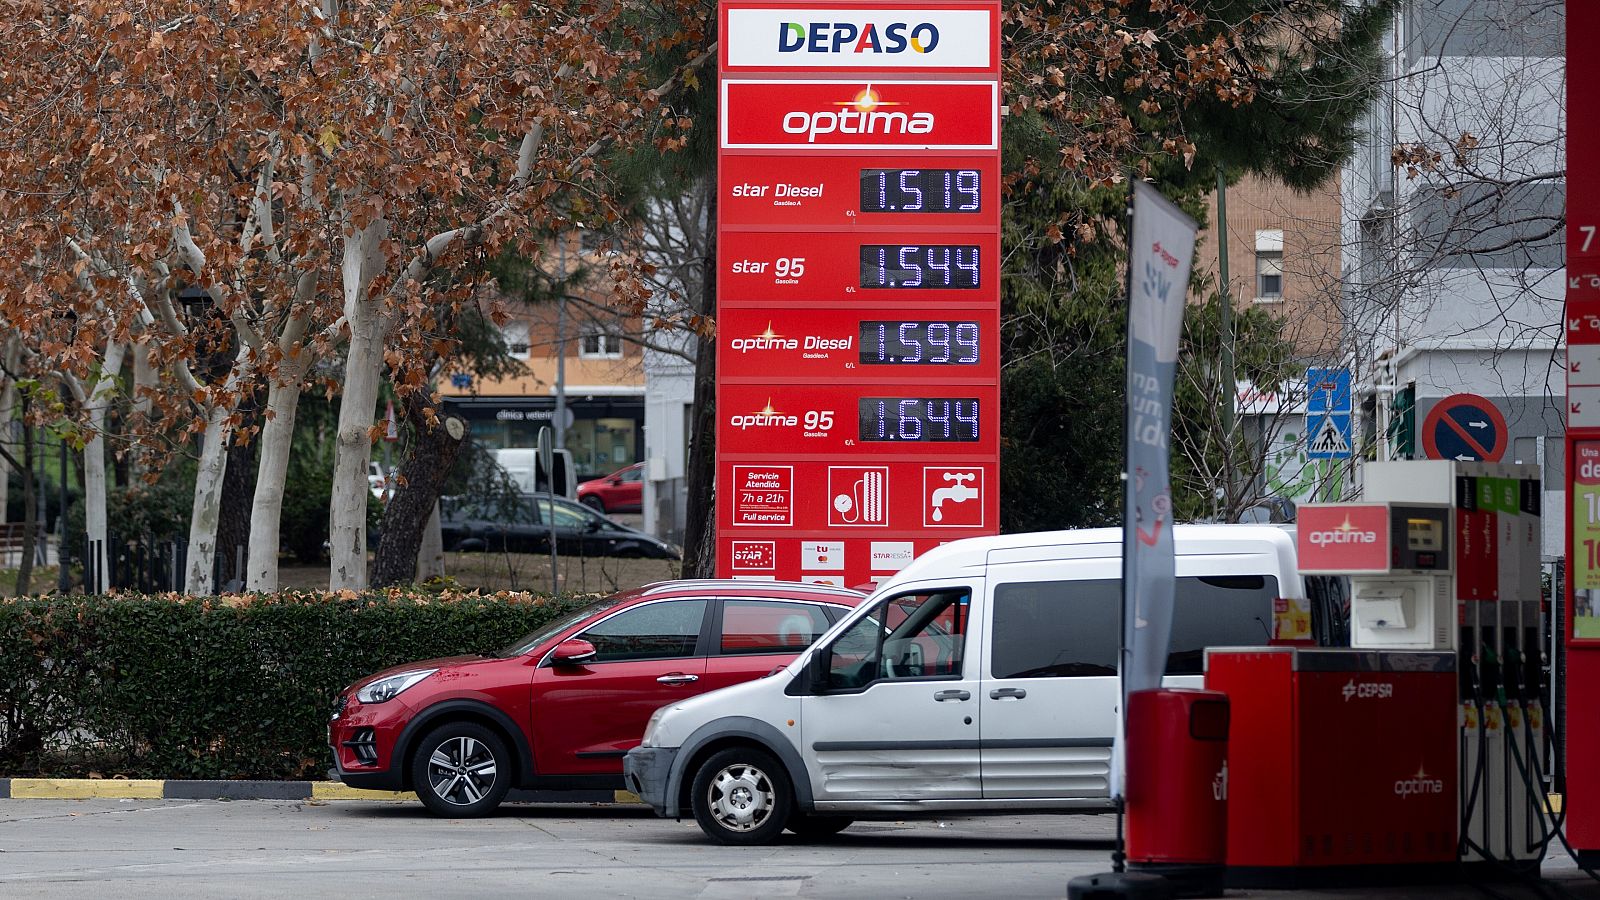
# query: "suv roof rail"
723, 583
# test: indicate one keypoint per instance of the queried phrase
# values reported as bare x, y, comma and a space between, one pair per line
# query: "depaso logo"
865, 113
1418, 785
1345, 533
856, 38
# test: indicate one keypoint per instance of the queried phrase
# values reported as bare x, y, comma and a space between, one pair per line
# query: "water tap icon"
960, 492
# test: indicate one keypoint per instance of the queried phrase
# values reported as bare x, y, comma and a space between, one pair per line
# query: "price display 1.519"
924, 419
920, 266
921, 190
918, 343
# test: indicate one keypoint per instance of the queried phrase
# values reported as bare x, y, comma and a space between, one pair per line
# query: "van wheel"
742, 796
812, 827
461, 770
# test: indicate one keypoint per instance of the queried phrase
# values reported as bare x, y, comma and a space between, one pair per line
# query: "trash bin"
1177, 788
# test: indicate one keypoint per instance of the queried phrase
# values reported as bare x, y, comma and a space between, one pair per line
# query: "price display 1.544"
918, 343
920, 419
924, 266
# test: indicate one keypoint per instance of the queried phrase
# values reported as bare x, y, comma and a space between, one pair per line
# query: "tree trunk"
30, 508
347, 524
430, 556
432, 452
94, 462
347, 510
266, 509
700, 518
207, 503
233, 519
8, 409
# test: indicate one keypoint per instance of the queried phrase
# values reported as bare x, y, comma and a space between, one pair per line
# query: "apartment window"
1269, 265
598, 343
515, 335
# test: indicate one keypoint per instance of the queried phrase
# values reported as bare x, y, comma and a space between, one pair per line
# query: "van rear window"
1064, 629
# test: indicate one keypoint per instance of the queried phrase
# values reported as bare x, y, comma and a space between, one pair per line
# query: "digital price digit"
918, 419
949, 266
889, 342
921, 190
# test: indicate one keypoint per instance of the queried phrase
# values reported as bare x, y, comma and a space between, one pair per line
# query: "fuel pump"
1467, 535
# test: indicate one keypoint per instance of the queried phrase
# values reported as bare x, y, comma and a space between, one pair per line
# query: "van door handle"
942, 696
1007, 694
678, 678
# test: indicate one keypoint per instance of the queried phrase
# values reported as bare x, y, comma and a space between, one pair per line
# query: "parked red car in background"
559, 709
621, 491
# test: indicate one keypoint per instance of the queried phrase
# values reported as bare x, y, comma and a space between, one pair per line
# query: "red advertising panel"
858, 286
1343, 537
861, 115
912, 268
855, 37
859, 344
859, 191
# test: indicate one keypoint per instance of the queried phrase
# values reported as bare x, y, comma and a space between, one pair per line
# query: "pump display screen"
918, 343
1424, 534
924, 419
926, 266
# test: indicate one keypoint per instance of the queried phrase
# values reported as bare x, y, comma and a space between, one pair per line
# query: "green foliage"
238, 687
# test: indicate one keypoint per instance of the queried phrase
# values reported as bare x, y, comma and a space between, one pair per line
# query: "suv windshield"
525, 644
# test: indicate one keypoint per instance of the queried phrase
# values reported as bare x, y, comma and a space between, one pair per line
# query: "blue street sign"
1328, 391
1465, 427
1328, 436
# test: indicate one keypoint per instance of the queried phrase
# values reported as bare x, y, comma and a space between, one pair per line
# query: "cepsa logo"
1367, 690
1342, 534
865, 113
854, 37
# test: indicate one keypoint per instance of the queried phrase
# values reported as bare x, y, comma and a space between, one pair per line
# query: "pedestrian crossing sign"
1328, 436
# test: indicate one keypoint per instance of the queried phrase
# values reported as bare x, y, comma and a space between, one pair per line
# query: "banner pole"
1119, 850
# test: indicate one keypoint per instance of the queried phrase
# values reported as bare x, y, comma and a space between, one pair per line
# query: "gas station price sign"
857, 190
859, 344
765, 266
858, 294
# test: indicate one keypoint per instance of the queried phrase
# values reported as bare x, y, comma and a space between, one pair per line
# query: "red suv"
558, 709
621, 491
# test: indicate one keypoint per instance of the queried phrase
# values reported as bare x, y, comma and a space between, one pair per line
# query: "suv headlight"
387, 688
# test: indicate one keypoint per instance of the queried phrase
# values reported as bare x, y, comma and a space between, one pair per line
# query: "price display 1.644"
919, 343
926, 419
921, 190
919, 266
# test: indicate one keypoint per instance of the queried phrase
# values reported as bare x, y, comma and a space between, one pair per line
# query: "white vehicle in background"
522, 464
981, 678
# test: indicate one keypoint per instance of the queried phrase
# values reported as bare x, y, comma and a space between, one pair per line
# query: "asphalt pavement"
353, 849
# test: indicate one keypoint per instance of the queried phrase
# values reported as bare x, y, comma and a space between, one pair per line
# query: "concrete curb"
158, 789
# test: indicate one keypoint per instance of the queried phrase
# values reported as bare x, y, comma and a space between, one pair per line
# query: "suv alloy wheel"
460, 770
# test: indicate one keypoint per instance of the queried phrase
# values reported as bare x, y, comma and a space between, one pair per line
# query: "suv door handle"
942, 696
678, 678
1007, 694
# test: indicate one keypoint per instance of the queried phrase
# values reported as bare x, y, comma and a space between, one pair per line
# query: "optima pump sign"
846, 38
1343, 537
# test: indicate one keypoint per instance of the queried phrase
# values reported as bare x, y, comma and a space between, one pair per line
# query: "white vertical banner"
1160, 252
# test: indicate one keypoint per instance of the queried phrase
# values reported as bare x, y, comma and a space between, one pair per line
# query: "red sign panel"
858, 115
859, 344
859, 191
912, 268
858, 285
1343, 537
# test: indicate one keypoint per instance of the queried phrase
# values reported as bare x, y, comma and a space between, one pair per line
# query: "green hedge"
240, 687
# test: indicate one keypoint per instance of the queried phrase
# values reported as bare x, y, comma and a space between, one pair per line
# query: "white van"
981, 678
522, 465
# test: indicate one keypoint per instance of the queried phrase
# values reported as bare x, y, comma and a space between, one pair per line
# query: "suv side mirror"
572, 652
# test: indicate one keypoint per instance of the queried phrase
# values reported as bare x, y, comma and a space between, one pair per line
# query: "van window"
912, 636
1056, 629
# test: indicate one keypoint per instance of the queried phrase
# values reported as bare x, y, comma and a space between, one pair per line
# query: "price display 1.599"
924, 419
918, 343
920, 266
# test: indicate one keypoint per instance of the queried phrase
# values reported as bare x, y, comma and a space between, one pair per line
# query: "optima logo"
849, 37
862, 115
768, 340
766, 418
1343, 534
1418, 785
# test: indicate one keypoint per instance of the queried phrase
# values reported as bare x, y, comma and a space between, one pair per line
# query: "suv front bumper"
647, 772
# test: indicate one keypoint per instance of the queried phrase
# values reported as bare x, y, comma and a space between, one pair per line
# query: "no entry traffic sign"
1465, 427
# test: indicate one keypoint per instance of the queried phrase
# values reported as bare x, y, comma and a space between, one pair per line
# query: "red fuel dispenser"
1177, 796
